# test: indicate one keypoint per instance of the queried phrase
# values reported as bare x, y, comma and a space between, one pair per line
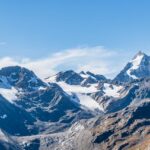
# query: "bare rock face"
124, 129
69, 77
76, 111
28, 105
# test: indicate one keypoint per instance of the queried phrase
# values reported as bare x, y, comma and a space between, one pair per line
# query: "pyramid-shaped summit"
138, 67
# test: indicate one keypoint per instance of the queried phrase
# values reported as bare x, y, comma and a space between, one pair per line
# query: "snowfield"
78, 88
80, 93
9, 94
112, 90
88, 102
135, 65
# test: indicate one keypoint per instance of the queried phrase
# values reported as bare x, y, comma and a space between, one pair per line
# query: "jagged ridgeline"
76, 111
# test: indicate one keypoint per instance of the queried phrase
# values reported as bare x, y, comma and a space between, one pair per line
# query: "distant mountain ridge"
32, 101
69, 107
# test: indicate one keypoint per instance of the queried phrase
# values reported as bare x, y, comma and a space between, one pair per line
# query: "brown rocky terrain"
127, 129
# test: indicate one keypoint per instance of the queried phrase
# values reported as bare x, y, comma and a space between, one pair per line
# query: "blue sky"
36, 29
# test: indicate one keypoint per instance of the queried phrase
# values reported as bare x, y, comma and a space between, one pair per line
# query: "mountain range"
76, 111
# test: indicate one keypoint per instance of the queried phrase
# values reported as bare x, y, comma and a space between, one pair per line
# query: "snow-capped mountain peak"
136, 61
89, 74
73, 78
140, 53
31, 109
20, 78
138, 67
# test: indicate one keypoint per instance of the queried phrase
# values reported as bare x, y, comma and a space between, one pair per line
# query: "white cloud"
95, 59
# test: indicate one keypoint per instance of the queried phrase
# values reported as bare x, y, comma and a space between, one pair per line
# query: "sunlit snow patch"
112, 90
9, 94
77, 88
135, 65
88, 102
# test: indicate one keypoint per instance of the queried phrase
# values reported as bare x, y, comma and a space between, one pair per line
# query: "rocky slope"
76, 111
123, 130
33, 105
